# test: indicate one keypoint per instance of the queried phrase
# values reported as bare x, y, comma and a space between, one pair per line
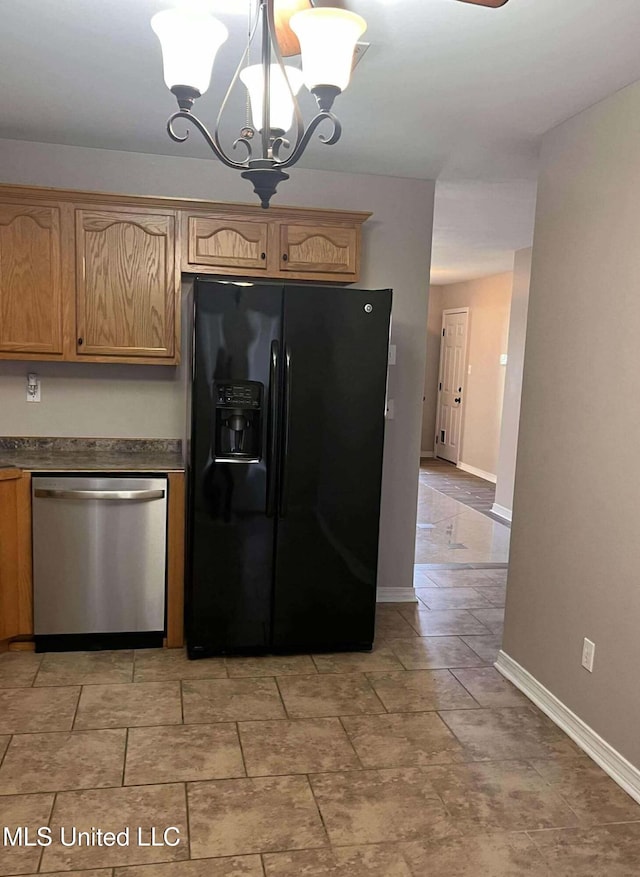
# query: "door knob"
457, 400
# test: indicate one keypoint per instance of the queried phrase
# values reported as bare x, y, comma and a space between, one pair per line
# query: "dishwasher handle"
126, 495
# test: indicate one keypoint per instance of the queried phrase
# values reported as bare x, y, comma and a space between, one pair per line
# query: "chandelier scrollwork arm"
212, 140
302, 144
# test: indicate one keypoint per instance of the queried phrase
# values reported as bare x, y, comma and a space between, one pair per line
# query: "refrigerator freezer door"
236, 348
335, 371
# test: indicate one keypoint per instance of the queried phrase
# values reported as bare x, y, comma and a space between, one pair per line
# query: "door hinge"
440, 386
443, 333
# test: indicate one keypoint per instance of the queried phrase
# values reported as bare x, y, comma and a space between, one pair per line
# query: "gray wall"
513, 382
575, 552
114, 400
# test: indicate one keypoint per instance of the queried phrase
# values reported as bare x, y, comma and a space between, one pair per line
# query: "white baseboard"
501, 511
473, 470
610, 760
425, 455
396, 595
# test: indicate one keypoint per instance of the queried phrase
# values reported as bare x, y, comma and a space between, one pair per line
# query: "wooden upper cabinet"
30, 279
318, 249
126, 283
226, 242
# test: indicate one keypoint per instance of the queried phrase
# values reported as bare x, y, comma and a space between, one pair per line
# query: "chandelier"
324, 37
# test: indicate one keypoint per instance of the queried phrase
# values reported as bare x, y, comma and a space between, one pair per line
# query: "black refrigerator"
287, 431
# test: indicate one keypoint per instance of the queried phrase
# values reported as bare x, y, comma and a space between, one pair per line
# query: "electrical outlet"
588, 654
33, 388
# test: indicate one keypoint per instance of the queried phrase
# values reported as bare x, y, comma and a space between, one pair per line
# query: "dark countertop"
91, 455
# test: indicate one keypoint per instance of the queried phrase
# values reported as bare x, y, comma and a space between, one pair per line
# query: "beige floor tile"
452, 598
4, 743
85, 668
433, 653
329, 695
380, 806
31, 812
166, 665
420, 690
236, 866
486, 647
463, 578
143, 807
490, 688
447, 622
496, 576
381, 658
239, 817
493, 619
402, 740
94, 872
177, 753
18, 669
298, 746
607, 851
391, 625
25, 710
590, 793
231, 700
127, 706
369, 861
494, 594
63, 760
271, 665
516, 732
495, 855
501, 795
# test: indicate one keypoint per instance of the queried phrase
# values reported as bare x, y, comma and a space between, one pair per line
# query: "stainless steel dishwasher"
99, 561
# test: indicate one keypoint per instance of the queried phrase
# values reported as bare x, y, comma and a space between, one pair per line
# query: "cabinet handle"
263, 256
80, 342
285, 258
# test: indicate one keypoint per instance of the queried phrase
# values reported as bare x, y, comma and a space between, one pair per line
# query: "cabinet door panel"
224, 242
317, 249
16, 586
125, 283
30, 281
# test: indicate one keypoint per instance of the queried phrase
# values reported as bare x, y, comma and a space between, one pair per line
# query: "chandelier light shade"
190, 41
281, 106
190, 38
328, 40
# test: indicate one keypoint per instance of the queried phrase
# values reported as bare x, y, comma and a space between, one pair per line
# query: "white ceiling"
447, 90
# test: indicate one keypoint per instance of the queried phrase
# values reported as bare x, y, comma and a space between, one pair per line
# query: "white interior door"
451, 381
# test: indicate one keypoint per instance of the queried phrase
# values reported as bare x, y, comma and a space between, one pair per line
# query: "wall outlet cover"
588, 654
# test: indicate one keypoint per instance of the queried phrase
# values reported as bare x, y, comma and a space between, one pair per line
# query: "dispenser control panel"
245, 394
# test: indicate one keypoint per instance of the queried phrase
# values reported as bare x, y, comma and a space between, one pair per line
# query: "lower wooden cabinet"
16, 586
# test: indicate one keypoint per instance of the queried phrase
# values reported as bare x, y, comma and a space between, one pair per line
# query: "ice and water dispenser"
238, 421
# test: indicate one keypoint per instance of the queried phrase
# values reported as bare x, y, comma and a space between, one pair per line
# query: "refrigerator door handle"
272, 445
284, 487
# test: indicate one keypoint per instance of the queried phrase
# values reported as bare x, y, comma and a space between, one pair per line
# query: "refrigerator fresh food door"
335, 352
233, 467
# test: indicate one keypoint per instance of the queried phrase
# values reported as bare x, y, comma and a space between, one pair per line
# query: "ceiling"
478, 88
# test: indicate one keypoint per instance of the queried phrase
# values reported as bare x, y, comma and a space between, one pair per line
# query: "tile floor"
417, 759
451, 530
